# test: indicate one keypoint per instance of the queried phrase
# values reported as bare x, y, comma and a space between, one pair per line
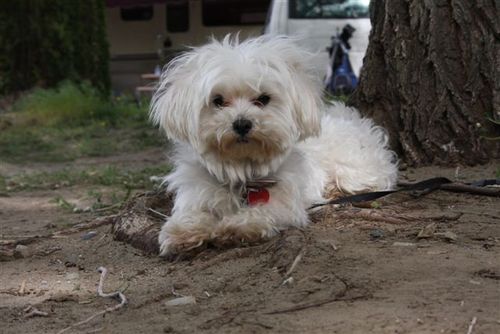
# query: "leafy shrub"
47, 41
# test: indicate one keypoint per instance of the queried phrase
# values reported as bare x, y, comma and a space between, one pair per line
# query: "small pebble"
186, 300
377, 234
448, 236
89, 235
179, 285
72, 276
22, 251
427, 232
403, 244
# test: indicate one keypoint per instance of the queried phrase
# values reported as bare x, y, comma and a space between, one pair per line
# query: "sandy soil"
354, 270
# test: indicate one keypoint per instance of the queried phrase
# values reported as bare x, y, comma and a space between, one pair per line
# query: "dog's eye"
218, 101
262, 100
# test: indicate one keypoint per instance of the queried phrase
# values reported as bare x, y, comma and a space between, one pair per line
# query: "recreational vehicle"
144, 34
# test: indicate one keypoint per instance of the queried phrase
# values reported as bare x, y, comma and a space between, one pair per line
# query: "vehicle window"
234, 12
178, 16
328, 9
136, 13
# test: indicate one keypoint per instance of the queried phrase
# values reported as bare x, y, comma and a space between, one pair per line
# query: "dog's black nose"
242, 126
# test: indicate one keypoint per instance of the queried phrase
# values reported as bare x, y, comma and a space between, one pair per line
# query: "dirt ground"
353, 270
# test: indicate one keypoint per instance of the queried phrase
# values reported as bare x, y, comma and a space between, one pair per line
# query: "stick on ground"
471, 325
116, 294
295, 262
33, 312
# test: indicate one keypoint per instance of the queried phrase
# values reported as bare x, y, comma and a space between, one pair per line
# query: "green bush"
48, 41
69, 104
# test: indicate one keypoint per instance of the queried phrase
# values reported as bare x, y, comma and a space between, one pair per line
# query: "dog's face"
248, 101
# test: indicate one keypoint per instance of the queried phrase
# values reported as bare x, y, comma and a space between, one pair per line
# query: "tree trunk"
431, 77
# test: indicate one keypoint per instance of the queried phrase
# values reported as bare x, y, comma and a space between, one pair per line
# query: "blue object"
342, 80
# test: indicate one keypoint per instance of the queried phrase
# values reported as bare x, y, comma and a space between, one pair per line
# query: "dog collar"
256, 191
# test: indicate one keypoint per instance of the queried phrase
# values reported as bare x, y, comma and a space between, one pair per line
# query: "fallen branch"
294, 263
117, 295
22, 289
49, 251
25, 240
471, 325
161, 215
337, 298
373, 215
33, 312
85, 226
109, 207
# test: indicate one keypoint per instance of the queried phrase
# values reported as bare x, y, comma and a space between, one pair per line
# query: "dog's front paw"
234, 231
175, 239
172, 245
181, 242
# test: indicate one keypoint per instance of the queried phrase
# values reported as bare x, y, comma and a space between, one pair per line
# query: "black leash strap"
425, 186
484, 183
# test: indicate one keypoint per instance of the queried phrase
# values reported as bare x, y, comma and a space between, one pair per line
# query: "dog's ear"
176, 105
305, 91
307, 102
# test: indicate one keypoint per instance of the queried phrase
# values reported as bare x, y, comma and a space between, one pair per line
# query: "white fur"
213, 163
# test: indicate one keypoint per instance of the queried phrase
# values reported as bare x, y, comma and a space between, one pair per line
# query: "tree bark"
431, 77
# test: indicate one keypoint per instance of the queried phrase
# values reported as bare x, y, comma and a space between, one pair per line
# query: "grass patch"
69, 105
3, 184
63, 204
105, 176
100, 201
47, 144
73, 121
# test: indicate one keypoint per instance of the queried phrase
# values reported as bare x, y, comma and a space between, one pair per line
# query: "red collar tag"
257, 196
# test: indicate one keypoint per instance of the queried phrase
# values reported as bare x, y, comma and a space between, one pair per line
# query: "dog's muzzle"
242, 126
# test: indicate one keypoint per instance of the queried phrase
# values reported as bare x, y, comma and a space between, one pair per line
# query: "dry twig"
86, 226
373, 215
116, 294
471, 325
33, 312
337, 298
294, 263
24, 240
109, 207
22, 288
158, 213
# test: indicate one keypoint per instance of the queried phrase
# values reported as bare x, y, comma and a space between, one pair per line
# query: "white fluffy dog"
255, 144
